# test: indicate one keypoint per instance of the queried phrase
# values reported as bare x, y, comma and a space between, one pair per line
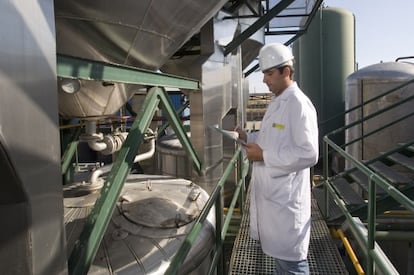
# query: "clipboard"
230, 134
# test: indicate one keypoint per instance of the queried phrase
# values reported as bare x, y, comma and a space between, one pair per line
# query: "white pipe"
107, 168
95, 143
90, 127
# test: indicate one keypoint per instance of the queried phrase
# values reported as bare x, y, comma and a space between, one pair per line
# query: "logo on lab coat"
278, 126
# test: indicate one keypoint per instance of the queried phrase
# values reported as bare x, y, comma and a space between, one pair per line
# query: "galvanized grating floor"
247, 256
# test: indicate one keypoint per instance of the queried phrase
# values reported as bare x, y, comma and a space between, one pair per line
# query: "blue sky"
383, 28
383, 32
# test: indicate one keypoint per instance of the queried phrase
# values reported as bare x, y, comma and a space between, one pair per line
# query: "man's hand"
241, 132
253, 152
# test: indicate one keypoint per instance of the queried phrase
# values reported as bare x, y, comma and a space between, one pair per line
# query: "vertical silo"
325, 57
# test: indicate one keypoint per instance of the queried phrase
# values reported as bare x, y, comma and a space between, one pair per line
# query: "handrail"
364, 103
373, 251
220, 235
238, 193
383, 155
366, 236
379, 129
356, 122
391, 190
363, 119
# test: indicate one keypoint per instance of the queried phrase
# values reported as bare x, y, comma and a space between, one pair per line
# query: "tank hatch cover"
158, 212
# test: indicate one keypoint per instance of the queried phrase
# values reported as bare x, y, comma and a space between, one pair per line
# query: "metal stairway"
395, 166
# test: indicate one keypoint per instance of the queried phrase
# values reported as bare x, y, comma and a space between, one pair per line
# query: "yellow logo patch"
278, 126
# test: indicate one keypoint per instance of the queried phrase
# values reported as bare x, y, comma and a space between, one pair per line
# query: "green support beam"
71, 67
176, 124
70, 151
85, 250
179, 111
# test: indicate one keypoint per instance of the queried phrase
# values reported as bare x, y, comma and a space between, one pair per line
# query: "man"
282, 153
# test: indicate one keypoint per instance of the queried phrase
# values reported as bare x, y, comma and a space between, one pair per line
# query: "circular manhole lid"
159, 212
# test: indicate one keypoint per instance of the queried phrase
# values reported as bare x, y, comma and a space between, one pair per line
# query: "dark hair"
292, 70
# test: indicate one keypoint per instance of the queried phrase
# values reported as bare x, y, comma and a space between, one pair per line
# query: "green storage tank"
325, 56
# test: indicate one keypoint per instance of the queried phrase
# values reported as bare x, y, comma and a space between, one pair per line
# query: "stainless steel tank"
370, 82
152, 218
172, 159
142, 34
90, 99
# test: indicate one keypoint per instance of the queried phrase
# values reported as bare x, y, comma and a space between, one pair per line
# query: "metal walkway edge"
247, 256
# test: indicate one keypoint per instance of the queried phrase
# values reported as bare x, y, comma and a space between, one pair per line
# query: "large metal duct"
208, 106
222, 91
32, 235
142, 34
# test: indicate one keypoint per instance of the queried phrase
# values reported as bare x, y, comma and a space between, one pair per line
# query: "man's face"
274, 80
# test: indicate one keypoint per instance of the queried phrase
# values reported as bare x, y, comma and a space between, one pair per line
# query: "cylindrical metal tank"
152, 218
89, 99
325, 56
172, 159
370, 82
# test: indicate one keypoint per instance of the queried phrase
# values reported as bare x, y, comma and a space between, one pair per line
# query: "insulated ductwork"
222, 90
142, 34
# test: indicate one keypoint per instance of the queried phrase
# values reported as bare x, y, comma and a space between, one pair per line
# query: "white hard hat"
274, 55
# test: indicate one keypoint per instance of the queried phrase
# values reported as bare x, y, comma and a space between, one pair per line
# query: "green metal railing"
221, 229
359, 106
368, 242
366, 237
372, 115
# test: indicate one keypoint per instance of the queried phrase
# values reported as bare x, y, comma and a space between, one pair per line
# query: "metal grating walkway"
247, 256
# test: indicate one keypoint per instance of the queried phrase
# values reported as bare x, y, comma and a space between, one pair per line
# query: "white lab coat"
280, 202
